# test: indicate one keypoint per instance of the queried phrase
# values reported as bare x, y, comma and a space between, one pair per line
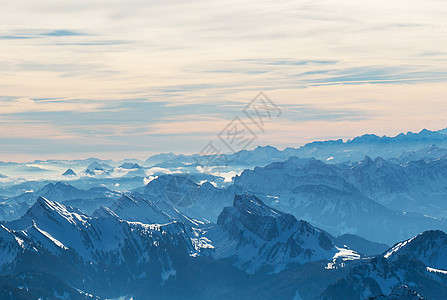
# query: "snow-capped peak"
252, 205
254, 215
50, 213
104, 212
429, 247
258, 236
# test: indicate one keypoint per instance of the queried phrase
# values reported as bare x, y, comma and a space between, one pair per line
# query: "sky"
128, 79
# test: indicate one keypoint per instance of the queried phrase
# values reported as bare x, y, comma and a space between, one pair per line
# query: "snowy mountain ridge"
256, 236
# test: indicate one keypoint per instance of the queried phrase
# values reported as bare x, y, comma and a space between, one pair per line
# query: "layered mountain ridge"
406, 263
262, 223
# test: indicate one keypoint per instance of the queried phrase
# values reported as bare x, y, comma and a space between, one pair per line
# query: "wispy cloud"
160, 76
35, 34
375, 75
62, 32
27, 105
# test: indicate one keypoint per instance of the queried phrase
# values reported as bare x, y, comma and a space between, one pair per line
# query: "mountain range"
312, 222
58, 250
60, 241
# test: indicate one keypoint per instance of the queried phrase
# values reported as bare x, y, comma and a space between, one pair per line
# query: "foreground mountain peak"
254, 215
429, 247
50, 213
50, 205
258, 235
43, 201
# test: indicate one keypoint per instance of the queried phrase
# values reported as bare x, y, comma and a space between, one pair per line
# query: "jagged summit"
269, 236
50, 215
50, 228
55, 208
367, 161
253, 214
44, 202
